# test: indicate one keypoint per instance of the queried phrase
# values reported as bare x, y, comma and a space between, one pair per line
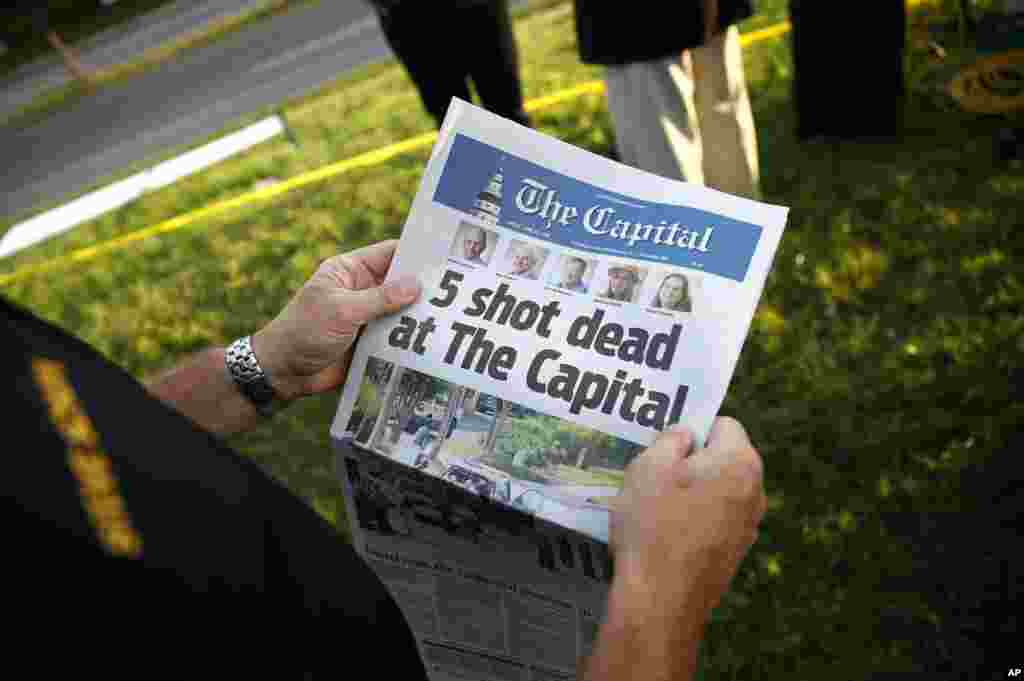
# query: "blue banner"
495, 186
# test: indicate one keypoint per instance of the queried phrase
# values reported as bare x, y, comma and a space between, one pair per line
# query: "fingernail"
680, 429
405, 287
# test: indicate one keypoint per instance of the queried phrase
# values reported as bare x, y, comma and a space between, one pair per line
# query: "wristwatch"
250, 378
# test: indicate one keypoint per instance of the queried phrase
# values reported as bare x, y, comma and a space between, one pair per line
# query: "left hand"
305, 349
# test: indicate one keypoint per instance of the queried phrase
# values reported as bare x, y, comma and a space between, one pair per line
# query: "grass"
361, 111
879, 378
67, 95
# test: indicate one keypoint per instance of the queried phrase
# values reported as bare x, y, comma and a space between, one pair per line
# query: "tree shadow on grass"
878, 382
879, 401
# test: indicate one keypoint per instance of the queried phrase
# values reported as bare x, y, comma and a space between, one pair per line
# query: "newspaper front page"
572, 308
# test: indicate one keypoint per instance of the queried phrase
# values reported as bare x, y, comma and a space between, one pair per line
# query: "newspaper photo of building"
539, 464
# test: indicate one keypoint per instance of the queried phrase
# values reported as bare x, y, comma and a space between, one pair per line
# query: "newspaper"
572, 308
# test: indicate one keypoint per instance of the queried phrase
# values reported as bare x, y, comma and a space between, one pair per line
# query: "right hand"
686, 518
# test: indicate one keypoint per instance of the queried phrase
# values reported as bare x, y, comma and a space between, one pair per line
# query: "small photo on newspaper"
572, 309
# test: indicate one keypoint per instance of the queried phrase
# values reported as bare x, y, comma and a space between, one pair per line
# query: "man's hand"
682, 524
689, 514
305, 349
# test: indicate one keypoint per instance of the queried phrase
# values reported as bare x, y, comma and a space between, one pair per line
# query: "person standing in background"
481, 47
677, 93
844, 87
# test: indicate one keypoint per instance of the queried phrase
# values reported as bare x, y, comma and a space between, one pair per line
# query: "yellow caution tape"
368, 159
765, 33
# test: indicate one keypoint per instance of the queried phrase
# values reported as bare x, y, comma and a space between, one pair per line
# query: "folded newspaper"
572, 308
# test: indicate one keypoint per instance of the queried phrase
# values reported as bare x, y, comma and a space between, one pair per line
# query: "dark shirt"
615, 33
136, 542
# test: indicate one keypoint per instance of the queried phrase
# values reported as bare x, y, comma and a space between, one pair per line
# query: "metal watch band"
250, 378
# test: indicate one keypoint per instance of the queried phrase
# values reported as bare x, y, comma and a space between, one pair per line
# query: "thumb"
728, 447
664, 456
364, 305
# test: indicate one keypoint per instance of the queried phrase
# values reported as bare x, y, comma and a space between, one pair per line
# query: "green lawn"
876, 377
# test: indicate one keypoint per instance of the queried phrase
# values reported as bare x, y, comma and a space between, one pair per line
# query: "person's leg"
617, 98
433, 65
493, 60
726, 120
651, 106
842, 89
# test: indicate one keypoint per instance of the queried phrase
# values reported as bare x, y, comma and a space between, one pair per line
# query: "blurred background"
881, 379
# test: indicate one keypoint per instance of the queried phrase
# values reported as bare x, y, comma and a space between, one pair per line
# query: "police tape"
368, 159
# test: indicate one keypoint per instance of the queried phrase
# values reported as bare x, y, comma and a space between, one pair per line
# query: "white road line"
96, 203
311, 46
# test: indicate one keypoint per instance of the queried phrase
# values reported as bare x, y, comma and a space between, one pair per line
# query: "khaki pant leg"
726, 120
652, 108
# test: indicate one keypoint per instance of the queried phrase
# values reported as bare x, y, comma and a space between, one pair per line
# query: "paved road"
117, 45
194, 96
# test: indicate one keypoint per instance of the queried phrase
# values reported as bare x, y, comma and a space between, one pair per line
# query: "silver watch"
250, 378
